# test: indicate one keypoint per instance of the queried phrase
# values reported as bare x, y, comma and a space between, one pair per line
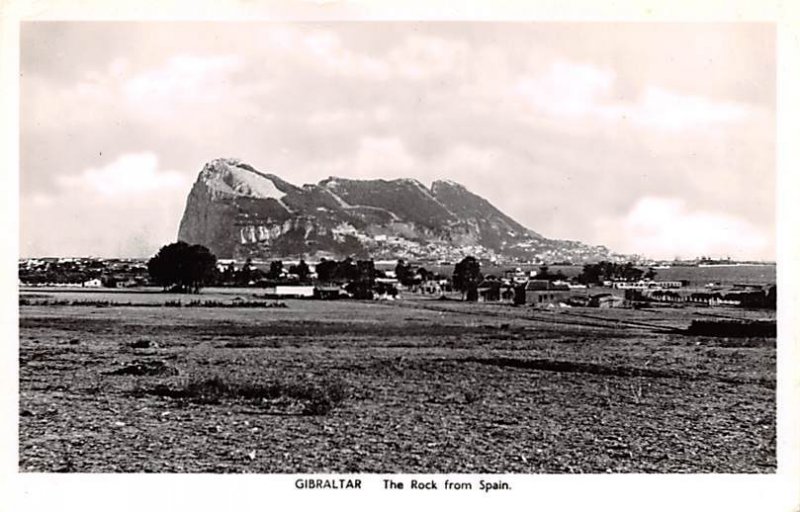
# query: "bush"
317, 397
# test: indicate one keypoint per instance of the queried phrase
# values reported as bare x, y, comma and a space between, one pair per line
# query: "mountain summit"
238, 212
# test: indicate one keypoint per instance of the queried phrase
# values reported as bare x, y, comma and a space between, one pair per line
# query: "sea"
756, 274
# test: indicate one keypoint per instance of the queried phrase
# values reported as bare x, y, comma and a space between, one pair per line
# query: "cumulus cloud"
665, 227
130, 174
127, 207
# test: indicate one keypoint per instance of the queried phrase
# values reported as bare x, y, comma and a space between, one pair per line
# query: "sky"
651, 139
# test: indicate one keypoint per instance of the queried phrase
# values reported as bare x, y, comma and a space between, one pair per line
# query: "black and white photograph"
398, 247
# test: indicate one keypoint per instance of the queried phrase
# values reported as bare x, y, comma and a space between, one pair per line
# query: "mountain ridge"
238, 211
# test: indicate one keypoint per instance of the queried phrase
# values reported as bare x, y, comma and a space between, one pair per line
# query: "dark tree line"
410, 276
596, 273
358, 276
186, 268
545, 274
249, 274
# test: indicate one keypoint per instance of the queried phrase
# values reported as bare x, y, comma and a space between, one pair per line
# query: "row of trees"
250, 274
186, 268
596, 273
408, 275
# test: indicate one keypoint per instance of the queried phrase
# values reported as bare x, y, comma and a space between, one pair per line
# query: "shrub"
317, 397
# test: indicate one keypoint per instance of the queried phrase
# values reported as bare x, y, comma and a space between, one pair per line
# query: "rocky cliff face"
238, 211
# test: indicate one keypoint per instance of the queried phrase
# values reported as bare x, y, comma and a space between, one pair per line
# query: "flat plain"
417, 385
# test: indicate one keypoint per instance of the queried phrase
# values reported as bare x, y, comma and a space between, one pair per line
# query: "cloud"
376, 157
567, 89
667, 110
570, 89
554, 136
665, 227
127, 207
428, 58
184, 78
130, 174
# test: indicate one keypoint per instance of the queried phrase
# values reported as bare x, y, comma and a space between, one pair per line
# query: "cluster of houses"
546, 293
512, 286
82, 272
742, 295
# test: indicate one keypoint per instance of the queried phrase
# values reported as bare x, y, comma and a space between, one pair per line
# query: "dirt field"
410, 386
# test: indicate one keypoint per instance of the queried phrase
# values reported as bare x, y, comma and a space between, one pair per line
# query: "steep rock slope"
238, 211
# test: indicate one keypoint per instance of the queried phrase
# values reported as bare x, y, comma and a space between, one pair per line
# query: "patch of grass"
471, 396
195, 303
316, 397
236, 304
146, 368
94, 303
46, 302
143, 344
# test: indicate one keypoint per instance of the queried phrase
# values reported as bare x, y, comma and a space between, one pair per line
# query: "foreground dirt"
429, 387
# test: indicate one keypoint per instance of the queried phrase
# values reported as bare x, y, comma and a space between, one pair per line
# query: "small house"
540, 292
495, 291
606, 300
489, 291
578, 300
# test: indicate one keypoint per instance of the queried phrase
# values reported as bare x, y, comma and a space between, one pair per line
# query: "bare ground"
428, 386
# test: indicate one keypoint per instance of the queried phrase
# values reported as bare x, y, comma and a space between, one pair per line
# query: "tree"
326, 270
301, 270
545, 274
424, 274
361, 285
182, 267
466, 276
229, 274
366, 271
246, 274
403, 273
346, 271
275, 270
607, 271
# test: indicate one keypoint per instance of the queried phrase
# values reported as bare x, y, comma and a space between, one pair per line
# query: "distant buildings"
362, 280
539, 292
